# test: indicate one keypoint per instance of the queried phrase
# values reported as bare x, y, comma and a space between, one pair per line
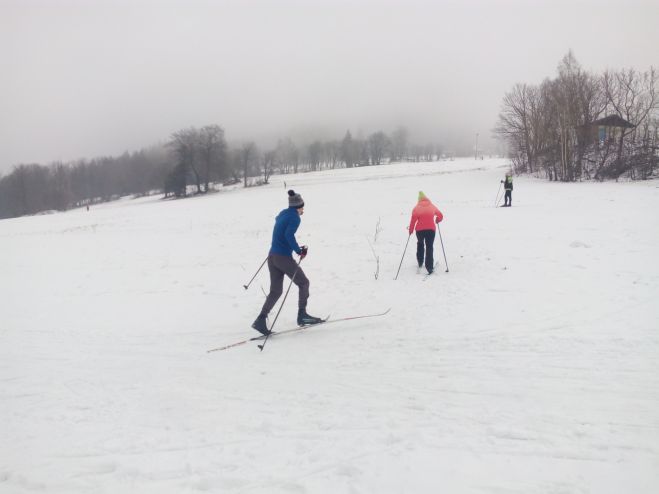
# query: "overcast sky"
89, 78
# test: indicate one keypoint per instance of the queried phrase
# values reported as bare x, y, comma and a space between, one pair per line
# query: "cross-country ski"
324, 322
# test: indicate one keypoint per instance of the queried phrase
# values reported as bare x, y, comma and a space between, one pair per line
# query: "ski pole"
443, 251
496, 201
282, 303
257, 272
401, 259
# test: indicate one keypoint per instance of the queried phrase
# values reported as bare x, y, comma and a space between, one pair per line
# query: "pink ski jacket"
423, 216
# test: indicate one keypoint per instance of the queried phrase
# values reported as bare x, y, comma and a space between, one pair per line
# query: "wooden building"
607, 129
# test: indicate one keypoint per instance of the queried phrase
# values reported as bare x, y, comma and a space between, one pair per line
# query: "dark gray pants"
426, 237
280, 266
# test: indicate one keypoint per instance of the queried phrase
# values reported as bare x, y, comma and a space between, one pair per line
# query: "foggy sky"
90, 78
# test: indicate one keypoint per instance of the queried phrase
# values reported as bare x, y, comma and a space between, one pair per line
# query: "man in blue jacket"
281, 262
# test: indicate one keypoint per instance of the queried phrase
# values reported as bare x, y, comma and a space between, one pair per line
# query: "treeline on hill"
194, 158
584, 126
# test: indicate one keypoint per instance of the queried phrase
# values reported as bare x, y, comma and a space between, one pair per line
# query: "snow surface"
532, 366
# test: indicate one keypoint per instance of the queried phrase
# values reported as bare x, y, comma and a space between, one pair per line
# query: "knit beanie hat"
295, 200
422, 196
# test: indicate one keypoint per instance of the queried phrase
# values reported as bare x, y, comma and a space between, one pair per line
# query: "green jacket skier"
508, 186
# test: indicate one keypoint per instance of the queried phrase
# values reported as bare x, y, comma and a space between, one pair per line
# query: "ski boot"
304, 319
261, 326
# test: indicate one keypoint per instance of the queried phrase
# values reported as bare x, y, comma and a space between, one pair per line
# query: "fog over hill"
84, 79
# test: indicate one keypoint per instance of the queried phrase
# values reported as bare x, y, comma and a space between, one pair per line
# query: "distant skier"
424, 217
508, 187
281, 262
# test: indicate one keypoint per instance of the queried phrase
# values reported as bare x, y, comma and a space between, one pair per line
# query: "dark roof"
613, 121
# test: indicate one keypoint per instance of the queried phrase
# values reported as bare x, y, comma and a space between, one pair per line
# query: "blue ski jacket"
283, 235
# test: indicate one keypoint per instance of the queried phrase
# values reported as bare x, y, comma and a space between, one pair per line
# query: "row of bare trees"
549, 128
248, 164
33, 188
192, 161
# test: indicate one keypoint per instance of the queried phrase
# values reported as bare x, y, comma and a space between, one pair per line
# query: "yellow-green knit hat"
422, 196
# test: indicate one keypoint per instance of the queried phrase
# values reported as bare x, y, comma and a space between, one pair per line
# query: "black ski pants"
508, 198
425, 239
279, 266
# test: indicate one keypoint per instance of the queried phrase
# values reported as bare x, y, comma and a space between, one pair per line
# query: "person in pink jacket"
424, 217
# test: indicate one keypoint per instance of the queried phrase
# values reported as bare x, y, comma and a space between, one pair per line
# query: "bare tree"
185, 144
212, 153
574, 96
288, 155
349, 153
633, 96
363, 152
176, 181
378, 143
268, 161
519, 124
399, 143
314, 155
248, 153
332, 152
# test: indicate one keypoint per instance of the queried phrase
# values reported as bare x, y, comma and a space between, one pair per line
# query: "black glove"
303, 251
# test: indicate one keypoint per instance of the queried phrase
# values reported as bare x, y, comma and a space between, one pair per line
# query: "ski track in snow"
532, 366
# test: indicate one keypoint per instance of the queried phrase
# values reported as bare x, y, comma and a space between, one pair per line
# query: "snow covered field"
532, 366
